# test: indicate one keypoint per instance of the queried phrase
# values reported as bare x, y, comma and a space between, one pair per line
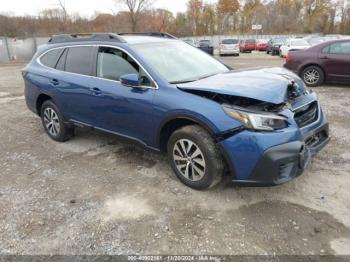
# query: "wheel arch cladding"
170, 125
39, 102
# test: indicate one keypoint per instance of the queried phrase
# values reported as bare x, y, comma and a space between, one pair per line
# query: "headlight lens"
257, 121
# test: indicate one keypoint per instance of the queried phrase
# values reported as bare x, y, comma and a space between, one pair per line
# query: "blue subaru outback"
262, 126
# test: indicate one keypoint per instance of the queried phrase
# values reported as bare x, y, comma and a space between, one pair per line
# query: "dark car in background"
206, 46
191, 42
247, 45
274, 44
328, 61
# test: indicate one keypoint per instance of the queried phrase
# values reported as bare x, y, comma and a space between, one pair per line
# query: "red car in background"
261, 45
328, 61
247, 45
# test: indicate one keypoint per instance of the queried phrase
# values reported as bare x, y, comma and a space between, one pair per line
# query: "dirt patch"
135, 155
123, 207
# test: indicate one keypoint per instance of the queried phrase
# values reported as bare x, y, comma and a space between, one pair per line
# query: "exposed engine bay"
248, 103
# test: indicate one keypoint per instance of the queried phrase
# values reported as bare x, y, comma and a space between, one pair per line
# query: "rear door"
335, 60
73, 91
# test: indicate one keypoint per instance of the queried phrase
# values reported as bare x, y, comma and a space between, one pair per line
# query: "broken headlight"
256, 120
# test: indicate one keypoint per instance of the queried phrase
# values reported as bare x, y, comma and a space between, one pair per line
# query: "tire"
58, 130
312, 76
205, 168
268, 52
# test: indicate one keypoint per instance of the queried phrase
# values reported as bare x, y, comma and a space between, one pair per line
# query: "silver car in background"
229, 47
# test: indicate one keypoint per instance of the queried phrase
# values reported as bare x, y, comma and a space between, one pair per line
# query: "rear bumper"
247, 49
262, 159
228, 51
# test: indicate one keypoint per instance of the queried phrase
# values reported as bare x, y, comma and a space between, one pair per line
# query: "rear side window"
79, 60
50, 58
340, 48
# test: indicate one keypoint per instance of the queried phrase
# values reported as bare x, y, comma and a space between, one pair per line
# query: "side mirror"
131, 80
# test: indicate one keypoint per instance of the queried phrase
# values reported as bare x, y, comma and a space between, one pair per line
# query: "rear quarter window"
51, 57
79, 60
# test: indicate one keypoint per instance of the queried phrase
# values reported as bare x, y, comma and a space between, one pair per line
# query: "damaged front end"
276, 138
254, 115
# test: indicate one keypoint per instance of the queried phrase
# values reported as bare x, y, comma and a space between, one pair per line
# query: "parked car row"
315, 59
328, 61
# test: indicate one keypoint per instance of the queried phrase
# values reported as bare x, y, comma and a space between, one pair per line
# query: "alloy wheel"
189, 159
311, 76
51, 121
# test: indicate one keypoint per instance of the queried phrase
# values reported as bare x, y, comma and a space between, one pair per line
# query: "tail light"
288, 58
222, 46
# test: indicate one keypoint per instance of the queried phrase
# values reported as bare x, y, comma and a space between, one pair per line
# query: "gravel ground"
98, 194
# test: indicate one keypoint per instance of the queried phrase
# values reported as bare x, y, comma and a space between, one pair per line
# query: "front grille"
306, 115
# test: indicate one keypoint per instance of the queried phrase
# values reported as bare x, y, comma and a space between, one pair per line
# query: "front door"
125, 110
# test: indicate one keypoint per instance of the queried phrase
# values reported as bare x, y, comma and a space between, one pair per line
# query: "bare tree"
62, 5
136, 7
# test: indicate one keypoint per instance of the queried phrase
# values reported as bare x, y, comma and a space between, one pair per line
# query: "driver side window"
113, 63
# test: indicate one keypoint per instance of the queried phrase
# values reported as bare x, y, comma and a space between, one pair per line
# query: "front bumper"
268, 159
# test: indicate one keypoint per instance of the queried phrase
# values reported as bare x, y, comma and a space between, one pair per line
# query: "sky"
85, 8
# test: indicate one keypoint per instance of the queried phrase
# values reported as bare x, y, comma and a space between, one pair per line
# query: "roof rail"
154, 34
85, 37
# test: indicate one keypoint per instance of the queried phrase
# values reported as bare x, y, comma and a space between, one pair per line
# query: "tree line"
200, 18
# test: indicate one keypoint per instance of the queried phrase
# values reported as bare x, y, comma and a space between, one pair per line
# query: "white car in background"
293, 44
191, 42
229, 47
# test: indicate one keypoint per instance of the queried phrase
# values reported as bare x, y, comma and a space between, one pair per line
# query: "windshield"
229, 41
178, 62
299, 42
279, 41
315, 40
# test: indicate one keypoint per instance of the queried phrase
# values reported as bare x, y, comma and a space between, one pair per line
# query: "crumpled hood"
264, 84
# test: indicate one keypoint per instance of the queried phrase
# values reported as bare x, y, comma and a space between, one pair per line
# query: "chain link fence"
19, 49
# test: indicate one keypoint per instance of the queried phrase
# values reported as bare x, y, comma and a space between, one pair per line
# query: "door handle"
54, 82
324, 57
96, 91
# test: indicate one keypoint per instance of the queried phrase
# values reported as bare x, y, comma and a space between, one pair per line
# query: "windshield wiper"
193, 80
206, 76
182, 81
